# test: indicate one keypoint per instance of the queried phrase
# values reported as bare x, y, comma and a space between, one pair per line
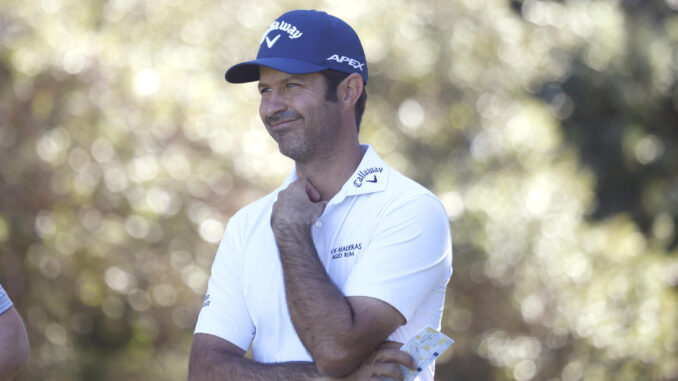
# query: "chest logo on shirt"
358, 182
346, 251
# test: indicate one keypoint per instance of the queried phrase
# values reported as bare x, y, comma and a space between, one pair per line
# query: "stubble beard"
310, 142
300, 151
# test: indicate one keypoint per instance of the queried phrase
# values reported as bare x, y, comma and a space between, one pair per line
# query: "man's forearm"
338, 332
224, 367
214, 359
319, 311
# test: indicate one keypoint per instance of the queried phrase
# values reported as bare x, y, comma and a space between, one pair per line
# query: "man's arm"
14, 349
339, 332
213, 358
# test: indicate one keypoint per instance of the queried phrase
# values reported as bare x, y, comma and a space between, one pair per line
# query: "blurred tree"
546, 127
627, 132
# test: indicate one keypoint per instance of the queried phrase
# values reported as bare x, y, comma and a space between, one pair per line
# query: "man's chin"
295, 153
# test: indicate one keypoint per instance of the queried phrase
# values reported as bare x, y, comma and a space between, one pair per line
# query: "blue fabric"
5, 302
305, 41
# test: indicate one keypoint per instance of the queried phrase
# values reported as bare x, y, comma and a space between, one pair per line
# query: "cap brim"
249, 71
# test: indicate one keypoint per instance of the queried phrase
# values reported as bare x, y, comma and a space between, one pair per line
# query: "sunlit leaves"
124, 153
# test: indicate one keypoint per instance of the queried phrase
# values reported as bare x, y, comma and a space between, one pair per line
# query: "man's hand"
297, 206
385, 361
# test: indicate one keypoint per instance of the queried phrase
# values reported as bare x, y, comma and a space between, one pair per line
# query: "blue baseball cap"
305, 41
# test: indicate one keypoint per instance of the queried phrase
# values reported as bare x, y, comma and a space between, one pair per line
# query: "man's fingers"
390, 344
396, 356
312, 193
387, 369
299, 203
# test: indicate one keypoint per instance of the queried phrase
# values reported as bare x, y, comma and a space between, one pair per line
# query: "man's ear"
350, 89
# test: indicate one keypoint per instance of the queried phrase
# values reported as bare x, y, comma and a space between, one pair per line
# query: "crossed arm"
213, 358
344, 335
355, 358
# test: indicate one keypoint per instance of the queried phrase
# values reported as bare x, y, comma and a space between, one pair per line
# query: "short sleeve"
409, 255
5, 302
224, 312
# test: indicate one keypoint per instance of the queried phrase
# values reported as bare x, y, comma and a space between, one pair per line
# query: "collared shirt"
382, 235
5, 302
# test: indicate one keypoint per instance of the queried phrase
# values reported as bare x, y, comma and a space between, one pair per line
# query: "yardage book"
424, 348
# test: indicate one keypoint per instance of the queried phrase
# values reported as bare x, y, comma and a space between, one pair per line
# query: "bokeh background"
548, 128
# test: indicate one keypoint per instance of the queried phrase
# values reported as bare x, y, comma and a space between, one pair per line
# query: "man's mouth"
278, 124
282, 119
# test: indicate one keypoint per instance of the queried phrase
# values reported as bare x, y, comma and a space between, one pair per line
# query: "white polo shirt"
382, 236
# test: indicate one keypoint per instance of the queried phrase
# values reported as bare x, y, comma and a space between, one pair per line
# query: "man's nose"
273, 103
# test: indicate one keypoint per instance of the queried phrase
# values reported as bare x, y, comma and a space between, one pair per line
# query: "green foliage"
548, 129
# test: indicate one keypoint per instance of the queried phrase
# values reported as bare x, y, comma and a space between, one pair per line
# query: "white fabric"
382, 236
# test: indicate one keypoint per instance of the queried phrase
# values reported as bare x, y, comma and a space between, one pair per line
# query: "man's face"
296, 114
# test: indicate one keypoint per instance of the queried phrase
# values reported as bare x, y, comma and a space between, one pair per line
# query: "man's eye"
264, 90
290, 85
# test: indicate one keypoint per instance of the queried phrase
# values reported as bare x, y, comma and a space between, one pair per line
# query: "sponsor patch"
288, 28
346, 251
348, 60
362, 174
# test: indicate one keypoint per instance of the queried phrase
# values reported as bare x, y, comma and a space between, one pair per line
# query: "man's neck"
328, 173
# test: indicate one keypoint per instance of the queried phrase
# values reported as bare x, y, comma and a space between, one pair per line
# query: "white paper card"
424, 348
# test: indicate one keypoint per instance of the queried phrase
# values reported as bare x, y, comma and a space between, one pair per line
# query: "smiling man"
324, 277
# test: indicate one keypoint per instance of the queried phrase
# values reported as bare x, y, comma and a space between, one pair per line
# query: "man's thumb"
312, 193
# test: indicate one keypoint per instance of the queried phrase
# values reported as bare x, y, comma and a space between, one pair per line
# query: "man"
14, 348
328, 274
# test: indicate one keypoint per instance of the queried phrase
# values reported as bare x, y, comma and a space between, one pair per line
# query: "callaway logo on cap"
301, 42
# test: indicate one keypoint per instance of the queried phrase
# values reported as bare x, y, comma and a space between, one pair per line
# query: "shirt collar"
371, 176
